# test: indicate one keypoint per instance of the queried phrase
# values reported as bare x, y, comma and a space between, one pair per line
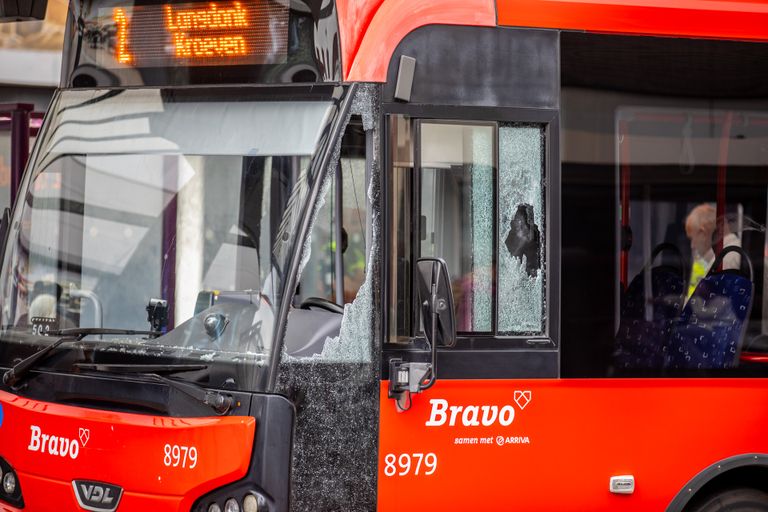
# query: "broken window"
471, 193
329, 367
521, 206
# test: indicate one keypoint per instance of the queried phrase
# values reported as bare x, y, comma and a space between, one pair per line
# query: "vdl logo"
97, 496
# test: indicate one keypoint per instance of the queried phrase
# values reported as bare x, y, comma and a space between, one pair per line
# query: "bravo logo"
475, 415
56, 445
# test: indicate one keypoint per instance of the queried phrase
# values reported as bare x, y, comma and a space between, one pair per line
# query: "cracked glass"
521, 229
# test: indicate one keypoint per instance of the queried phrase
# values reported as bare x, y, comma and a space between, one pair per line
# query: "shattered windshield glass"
330, 364
164, 210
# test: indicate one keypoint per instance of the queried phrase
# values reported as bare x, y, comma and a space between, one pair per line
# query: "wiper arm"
20, 369
221, 403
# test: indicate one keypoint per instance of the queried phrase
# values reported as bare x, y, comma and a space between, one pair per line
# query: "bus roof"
371, 29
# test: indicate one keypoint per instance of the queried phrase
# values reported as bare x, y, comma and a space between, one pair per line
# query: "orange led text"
123, 57
198, 32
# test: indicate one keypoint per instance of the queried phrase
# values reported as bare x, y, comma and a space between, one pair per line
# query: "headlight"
9, 482
250, 504
10, 487
231, 505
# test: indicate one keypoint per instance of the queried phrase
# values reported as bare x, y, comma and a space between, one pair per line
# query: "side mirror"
436, 297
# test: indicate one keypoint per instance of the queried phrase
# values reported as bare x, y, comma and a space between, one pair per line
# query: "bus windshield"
161, 210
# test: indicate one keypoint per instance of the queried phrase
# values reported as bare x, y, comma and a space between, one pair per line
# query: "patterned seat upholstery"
640, 340
710, 330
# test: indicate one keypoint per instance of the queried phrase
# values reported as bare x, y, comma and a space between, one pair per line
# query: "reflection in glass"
140, 195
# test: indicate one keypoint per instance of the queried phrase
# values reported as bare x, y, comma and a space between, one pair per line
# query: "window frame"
549, 120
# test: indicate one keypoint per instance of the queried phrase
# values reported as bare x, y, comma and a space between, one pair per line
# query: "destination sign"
213, 33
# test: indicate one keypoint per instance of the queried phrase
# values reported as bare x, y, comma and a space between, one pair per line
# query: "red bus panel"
543, 445
54, 444
370, 32
686, 18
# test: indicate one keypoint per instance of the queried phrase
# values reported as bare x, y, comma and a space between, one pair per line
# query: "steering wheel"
321, 303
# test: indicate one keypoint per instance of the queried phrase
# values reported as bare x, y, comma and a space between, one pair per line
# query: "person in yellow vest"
700, 227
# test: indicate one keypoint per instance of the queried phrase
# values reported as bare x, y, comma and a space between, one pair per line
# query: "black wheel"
733, 500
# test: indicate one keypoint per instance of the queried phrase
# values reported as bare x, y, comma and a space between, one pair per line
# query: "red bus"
274, 255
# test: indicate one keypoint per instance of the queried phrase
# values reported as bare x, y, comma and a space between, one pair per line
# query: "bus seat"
710, 330
640, 341
308, 329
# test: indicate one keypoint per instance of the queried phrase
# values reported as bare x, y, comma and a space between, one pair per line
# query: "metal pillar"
19, 114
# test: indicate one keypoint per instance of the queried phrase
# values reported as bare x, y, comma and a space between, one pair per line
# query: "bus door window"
471, 193
521, 229
457, 211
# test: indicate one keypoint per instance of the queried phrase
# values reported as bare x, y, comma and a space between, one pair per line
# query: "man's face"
701, 239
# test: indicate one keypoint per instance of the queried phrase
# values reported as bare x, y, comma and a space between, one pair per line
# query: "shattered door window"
471, 193
521, 229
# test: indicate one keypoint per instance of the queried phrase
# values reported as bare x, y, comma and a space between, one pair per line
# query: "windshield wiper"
219, 402
141, 368
20, 369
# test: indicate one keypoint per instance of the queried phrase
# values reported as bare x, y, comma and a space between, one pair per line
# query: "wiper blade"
221, 403
93, 331
22, 368
141, 368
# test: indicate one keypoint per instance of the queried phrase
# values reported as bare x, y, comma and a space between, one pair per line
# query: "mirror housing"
434, 279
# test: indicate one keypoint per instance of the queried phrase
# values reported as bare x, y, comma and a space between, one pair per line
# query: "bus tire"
742, 499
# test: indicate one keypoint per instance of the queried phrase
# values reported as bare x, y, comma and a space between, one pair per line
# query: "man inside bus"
701, 230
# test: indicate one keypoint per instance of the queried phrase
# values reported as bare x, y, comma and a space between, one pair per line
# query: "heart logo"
85, 435
522, 399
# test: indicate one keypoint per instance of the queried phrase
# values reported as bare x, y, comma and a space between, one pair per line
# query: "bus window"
473, 195
330, 363
665, 194
521, 229
457, 182
319, 277
332, 289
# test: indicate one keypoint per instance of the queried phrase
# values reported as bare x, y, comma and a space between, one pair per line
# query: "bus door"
472, 181
472, 192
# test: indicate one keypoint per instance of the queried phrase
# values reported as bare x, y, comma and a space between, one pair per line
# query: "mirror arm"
433, 342
408, 377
